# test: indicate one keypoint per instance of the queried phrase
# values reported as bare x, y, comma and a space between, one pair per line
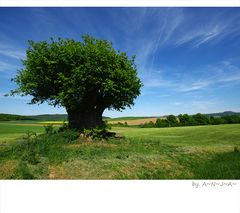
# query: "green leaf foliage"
78, 74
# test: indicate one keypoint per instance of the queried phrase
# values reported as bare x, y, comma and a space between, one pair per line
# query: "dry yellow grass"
53, 122
135, 121
129, 122
7, 169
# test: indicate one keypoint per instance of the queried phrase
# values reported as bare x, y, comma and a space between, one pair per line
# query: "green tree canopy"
85, 77
172, 119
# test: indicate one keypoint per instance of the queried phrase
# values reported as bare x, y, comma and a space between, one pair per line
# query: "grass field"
200, 152
13, 130
10, 130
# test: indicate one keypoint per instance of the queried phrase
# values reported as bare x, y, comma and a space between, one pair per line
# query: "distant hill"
52, 117
12, 117
44, 117
62, 117
215, 114
49, 117
221, 114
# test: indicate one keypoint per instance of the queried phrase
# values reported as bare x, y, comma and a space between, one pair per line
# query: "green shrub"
29, 137
100, 132
162, 123
22, 171
30, 157
69, 135
236, 149
28, 148
64, 127
49, 129
172, 120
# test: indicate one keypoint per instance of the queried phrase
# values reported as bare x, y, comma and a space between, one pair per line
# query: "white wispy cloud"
155, 83
148, 30
201, 35
11, 51
172, 28
203, 105
176, 103
7, 68
187, 87
221, 74
196, 106
216, 28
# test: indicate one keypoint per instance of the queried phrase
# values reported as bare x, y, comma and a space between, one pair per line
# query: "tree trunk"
85, 118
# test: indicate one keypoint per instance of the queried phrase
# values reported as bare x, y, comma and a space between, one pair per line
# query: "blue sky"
188, 58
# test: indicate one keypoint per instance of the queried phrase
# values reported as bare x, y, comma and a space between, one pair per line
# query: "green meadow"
195, 152
10, 130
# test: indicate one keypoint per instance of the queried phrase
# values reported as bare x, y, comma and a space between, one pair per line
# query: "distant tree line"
10, 117
192, 120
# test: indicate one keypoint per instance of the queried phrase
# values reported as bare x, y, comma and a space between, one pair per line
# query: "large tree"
85, 77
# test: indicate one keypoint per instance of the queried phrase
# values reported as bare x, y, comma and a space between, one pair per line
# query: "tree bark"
85, 118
